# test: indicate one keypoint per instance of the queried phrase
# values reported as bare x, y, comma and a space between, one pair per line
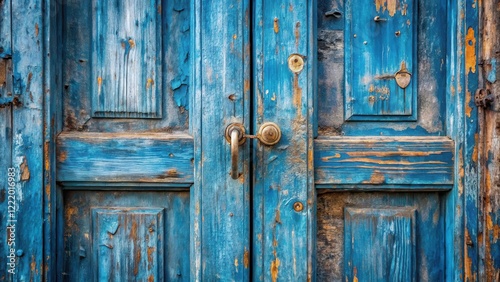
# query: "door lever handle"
235, 135
269, 134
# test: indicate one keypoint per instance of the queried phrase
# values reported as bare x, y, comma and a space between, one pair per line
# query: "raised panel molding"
379, 244
380, 57
128, 244
126, 59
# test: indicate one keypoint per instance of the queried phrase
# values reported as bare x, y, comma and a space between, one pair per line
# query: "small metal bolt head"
298, 206
296, 63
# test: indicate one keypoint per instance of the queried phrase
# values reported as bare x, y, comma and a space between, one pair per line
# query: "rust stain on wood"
276, 25
389, 5
37, 30
275, 268
297, 94
468, 108
297, 34
470, 51
246, 258
25, 172
376, 178
394, 154
62, 156
149, 82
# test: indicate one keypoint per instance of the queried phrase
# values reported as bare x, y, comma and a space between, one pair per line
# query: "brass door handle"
235, 135
269, 134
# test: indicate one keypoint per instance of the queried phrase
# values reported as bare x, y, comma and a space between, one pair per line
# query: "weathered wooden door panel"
382, 128
125, 155
380, 236
126, 236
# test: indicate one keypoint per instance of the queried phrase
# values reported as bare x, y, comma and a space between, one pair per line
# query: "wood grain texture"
375, 50
384, 161
380, 244
283, 236
489, 156
126, 236
138, 158
430, 71
427, 242
127, 59
221, 206
5, 29
167, 63
127, 244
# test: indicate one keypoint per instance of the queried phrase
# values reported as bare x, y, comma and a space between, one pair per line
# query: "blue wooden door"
361, 186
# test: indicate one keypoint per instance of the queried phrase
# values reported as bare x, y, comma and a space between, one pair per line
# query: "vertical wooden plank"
221, 79
283, 192
5, 164
472, 191
5, 29
51, 127
126, 78
462, 203
489, 160
27, 130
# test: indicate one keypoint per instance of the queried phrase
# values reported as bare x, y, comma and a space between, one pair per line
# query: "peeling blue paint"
492, 75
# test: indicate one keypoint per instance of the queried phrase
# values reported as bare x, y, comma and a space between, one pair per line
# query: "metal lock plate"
403, 76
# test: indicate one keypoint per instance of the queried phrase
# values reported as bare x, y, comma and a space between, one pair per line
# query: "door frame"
462, 224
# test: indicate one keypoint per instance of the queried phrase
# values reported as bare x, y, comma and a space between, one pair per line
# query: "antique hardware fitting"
296, 63
334, 13
269, 134
483, 98
402, 76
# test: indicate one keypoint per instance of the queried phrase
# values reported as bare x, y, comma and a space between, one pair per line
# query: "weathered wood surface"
384, 161
446, 75
127, 59
221, 95
139, 158
490, 139
160, 53
380, 47
430, 70
131, 236
367, 244
284, 207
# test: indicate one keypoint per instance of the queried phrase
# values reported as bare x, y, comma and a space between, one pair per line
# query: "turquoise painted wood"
114, 127
220, 246
283, 194
380, 72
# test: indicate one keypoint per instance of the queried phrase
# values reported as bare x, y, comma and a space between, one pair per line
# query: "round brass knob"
269, 133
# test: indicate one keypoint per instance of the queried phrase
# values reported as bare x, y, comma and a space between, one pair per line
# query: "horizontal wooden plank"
394, 162
120, 158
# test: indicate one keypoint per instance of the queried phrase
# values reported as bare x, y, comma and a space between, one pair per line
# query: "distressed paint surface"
373, 229
444, 109
489, 154
143, 158
384, 161
283, 236
126, 59
22, 136
379, 43
380, 244
428, 75
126, 236
221, 82
169, 67
127, 244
